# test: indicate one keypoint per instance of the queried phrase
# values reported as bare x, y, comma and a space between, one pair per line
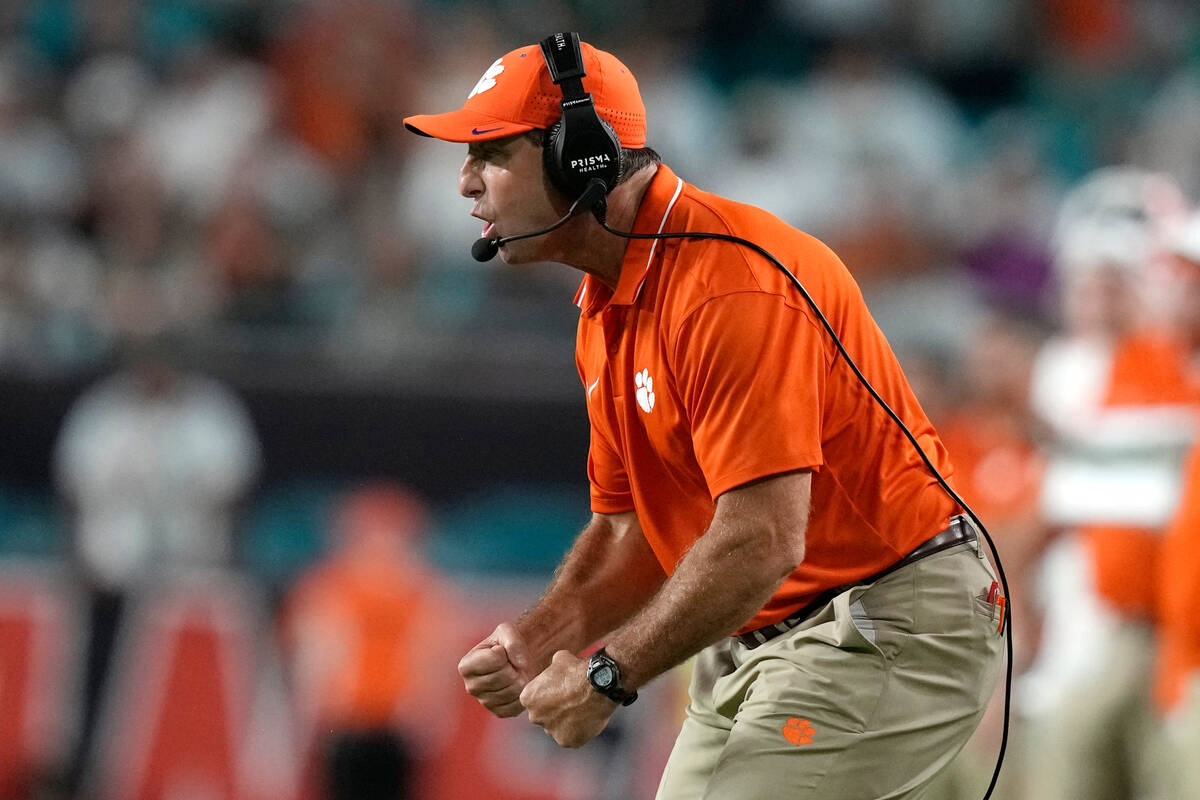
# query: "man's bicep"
778, 505
622, 530
627, 549
622, 521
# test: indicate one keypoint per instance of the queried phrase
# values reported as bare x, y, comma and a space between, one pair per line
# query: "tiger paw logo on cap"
516, 94
489, 78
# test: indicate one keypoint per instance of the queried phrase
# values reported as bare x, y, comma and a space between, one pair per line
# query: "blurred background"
275, 451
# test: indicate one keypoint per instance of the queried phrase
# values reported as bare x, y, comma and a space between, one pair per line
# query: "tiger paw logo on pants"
645, 390
798, 731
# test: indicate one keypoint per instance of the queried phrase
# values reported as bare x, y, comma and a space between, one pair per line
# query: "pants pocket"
985, 609
857, 630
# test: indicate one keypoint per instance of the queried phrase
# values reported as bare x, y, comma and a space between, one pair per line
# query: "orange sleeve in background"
1179, 594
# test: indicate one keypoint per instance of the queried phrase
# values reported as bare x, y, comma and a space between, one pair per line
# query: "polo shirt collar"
657, 204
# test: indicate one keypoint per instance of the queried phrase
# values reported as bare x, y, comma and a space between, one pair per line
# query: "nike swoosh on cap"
478, 132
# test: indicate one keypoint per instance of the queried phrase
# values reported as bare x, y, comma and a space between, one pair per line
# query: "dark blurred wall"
443, 446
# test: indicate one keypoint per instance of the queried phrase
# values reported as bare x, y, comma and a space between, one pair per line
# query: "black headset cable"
1006, 617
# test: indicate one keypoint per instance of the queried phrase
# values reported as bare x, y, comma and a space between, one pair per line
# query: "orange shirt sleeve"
751, 370
1179, 593
606, 473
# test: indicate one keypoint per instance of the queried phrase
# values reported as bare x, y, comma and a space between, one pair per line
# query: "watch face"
603, 676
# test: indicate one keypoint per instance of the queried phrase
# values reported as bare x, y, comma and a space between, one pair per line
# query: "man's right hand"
497, 669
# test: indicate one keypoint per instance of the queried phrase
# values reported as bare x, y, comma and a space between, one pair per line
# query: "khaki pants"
1104, 741
1183, 745
868, 699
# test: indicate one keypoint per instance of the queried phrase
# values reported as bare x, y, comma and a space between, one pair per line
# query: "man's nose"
469, 184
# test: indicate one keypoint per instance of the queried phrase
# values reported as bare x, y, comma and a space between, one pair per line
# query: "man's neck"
595, 250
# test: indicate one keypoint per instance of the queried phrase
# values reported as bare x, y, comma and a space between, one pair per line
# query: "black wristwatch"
605, 677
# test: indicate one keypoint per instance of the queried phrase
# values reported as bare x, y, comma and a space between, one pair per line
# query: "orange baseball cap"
516, 95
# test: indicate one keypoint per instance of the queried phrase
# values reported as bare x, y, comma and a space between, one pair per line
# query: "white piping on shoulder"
654, 243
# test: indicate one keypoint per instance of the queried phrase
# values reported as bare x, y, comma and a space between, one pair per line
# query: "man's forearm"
608, 574
725, 578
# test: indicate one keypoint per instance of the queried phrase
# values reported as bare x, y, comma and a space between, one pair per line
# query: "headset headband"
581, 147
565, 62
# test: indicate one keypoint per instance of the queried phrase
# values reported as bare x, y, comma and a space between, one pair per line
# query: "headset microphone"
485, 249
594, 199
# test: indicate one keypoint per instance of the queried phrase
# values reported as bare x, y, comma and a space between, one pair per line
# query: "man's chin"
514, 254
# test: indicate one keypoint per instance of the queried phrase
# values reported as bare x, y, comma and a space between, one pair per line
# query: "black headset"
581, 146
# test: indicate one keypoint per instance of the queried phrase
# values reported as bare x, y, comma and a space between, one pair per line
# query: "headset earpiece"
550, 160
580, 146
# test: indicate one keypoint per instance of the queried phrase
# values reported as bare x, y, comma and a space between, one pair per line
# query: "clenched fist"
563, 702
496, 670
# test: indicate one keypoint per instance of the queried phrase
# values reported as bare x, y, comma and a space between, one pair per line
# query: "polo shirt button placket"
612, 333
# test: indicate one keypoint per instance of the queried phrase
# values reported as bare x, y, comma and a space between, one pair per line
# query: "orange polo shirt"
1179, 593
706, 369
1147, 371
1179, 582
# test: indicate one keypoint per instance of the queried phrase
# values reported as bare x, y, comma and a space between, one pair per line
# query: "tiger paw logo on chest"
645, 390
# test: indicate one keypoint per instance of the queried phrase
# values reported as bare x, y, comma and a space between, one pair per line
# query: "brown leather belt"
958, 532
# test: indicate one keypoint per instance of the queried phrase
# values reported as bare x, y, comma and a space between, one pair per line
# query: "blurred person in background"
153, 463
1177, 684
365, 634
1110, 391
695, 358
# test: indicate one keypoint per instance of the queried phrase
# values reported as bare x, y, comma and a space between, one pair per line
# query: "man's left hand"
562, 701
